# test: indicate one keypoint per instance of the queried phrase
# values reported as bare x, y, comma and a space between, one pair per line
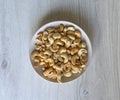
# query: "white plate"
54, 24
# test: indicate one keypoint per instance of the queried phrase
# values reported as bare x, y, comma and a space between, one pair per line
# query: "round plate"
54, 24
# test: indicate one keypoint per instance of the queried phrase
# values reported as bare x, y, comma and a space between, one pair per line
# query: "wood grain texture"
19, 19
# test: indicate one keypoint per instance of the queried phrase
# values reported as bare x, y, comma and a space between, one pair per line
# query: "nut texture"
60, 51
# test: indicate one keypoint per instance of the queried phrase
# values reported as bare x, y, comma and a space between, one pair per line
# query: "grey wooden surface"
20, 19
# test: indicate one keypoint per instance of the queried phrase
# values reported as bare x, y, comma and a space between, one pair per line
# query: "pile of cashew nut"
60, 52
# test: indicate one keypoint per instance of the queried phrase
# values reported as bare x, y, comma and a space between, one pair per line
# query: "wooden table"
20, 19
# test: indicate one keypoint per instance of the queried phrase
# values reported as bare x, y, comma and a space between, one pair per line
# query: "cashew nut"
54, 75
37, 47
83, 66
65, 56
74, 58
72, 37
67, 67
82, 51
47, 72
34, 54
76, 43
42, 55
75, 69
50, 73
37, 41
39, 36
59, 68
68, 51
48, 52
50, 61
36, 62
70, 32
50, 29
56, 36
83, 45
67, 74
65, 29
66, 41
63, 33
42, 63
83, 58
58, 42
62, 50
77, 34
74, 50
50, 39
45, 35
54, 48
70, 28
55, 55
59, 77
60, 59
61, 27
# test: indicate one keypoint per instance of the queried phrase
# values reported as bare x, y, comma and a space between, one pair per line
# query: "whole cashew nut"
59, 68
58, 42
66, 41
50, 61
74, 50
83, 45
37, 41
77, 34
70, 28
36, 62
76, 43
50, 39
56, 36
51, 73
42, 55
54, 48
45, 35
74, 59
66, 67
65, 56
62, 50
75, 69
82, 51
50, 29
59, 77
67, 74
48, 52
72, 37
61, 27
34, 54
